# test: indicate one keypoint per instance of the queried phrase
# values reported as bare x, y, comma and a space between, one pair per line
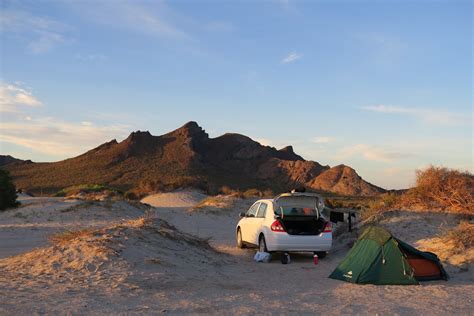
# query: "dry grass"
68, 235
250, 193
86, 189
212, 201
437, 189
215, 204
441, 189
462, 236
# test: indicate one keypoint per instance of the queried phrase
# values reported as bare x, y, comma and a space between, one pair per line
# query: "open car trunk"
303, 225
299, 213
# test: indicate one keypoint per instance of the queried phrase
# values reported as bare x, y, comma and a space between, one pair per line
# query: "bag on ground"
262, 256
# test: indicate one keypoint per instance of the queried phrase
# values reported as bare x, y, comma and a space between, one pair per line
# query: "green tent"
379, 258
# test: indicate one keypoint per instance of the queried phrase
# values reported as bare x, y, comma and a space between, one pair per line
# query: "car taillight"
327, 228
277, 227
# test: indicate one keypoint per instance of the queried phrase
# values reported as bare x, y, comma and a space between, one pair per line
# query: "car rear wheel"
262, 245
240, 243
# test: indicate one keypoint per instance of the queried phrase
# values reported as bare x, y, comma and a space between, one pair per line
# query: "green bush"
7, 191
86, 188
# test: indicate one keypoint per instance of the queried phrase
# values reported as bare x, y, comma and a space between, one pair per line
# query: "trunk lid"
298, 204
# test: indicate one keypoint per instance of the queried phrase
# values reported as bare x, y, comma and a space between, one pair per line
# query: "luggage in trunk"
303, 225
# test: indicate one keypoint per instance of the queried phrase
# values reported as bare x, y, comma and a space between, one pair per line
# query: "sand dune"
135, 259
177, 199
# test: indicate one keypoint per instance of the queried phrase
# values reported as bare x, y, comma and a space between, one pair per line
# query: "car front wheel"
240, 243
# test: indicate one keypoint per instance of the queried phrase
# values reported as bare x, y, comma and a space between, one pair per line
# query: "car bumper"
286, 242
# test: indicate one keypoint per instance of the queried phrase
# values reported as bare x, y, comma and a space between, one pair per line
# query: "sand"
136, 259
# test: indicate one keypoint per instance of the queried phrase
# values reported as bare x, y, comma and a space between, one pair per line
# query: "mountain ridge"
188, 157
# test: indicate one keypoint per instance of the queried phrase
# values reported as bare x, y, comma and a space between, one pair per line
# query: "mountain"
5, 160
189, 157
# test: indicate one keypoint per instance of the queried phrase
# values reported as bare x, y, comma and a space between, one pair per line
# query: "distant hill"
188, 157
5, 160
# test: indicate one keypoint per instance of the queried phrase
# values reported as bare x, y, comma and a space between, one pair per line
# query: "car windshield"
296, 211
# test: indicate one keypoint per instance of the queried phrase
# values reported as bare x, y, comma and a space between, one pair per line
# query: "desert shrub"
226, 190
252, 193
182, 182
7, 191
212, 201
60, 193
462, 236
130, 195
372, 209
440, 188
268, 193
85, 188
68, 235
149, 186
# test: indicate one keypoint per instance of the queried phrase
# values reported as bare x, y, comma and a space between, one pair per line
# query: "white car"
291, 222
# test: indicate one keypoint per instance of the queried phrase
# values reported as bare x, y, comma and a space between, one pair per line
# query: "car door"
257, 222
247, 224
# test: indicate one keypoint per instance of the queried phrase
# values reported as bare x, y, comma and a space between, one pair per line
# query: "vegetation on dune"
437, 189
84, 188
68, 235
7, 191
130, 195
441, 189
249, 193
462, 236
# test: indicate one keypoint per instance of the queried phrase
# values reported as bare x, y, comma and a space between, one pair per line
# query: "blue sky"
382, 86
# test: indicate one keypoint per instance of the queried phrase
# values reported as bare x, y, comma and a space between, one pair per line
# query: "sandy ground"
137, 259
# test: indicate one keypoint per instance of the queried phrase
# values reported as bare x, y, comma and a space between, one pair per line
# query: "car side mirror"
242, 214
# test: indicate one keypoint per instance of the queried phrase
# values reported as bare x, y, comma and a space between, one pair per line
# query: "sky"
382, 86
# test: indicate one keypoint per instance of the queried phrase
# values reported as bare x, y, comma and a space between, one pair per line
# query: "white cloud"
372, 153
152, 17
41, 33
322, 140
56, 137
14, 96
431, 116
47, 135
45, 42
292, 57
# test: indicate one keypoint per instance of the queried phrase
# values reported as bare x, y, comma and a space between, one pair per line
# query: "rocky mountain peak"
287, 153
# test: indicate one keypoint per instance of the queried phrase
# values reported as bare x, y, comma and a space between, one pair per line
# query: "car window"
296, 211
252, 210
262, 210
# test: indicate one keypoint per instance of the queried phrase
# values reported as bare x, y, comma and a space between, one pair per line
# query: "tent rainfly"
379, 258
